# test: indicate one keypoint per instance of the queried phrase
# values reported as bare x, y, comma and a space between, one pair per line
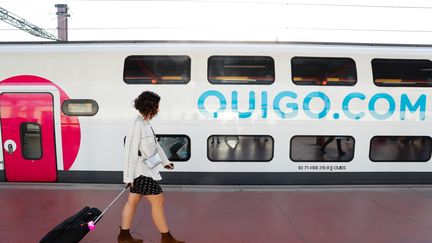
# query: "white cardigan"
141, 138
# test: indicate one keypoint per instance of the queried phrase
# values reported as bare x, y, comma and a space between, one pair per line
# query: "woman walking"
142, 175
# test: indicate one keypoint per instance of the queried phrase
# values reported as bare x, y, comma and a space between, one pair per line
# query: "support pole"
62, 21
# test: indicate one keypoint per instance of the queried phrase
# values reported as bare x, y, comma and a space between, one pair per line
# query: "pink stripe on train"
70, 127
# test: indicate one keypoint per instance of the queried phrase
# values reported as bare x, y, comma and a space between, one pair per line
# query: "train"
231, 113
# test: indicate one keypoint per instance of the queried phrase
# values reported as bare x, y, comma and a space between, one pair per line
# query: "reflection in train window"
241, 70
323, 71
176, 147
31, 143
402, 72
157, 69
80, 107
257, 148
322, 148
400, 148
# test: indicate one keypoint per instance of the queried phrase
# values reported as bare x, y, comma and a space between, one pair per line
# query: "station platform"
231, 214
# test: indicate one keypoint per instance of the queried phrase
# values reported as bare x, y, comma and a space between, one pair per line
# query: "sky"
366, 21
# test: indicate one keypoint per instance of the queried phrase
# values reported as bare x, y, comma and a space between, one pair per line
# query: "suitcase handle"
115, 199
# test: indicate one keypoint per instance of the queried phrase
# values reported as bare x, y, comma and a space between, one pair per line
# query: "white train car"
230, 113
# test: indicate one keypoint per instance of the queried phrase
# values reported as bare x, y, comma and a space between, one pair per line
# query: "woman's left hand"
169, 166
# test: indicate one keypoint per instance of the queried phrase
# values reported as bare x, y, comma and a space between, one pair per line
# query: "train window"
80, 107
333, 71
31, 143
157, 70
176, 147
252, 148
400, 148
402, 72
241, 70
322, 148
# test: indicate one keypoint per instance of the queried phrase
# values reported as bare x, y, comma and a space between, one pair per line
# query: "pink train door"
27, 130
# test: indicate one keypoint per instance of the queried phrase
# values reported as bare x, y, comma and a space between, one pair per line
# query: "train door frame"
53, 91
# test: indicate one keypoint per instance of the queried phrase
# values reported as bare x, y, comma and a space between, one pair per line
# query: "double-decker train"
230, 112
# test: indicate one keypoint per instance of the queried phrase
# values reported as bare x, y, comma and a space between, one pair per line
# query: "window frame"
188, 145
241, 161
324, 58
22, 124
139, 82
399, 161
95, 107
397, 59
273, 68
321, 161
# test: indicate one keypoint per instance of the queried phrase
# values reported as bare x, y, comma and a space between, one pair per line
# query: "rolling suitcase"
74, 228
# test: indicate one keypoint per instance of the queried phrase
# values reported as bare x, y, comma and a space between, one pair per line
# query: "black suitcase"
74, 228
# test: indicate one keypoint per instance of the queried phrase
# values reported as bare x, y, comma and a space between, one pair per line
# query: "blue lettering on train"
219, 96
345, 105
286, 105
381, 96
292, 106
419, 104
234, 104
317, 95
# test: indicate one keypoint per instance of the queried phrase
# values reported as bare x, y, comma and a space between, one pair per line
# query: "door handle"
10, 146
10, 149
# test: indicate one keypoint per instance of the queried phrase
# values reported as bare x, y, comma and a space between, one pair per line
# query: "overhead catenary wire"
287, 27
272, 3
24, 25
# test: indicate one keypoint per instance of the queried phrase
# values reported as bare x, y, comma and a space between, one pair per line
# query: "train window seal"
329, 81
174, 76
66, 109
188, 148
23, 132
400, 161
385, 72
158, 136
321, 161
238, 77
240, 135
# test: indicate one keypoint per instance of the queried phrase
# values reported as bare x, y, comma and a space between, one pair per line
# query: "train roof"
212, 42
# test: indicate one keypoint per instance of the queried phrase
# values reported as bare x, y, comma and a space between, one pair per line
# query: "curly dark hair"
147, 103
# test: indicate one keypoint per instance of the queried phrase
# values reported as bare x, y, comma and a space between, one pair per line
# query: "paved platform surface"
236, 214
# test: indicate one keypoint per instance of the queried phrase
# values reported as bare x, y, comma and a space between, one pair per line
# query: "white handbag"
155, 159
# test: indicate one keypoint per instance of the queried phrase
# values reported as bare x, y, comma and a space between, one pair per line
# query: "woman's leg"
339, 147
158, 212
129, 210
323, 147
